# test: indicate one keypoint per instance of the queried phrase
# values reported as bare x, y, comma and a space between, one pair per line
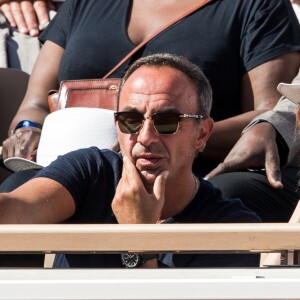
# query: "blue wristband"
27, 123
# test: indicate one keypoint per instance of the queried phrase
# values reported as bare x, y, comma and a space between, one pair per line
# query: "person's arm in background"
29, 17
259, 94
257, 148
34, 107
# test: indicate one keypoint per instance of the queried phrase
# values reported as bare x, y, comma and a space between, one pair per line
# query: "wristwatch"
133, 260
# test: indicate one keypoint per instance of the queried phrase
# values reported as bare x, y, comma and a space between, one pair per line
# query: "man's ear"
204, 131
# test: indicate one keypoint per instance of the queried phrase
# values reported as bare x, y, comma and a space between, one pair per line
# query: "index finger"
272, 166
216, 171
41, 10
225, 167
129, 173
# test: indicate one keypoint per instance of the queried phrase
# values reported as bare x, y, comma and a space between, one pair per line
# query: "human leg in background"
254, 190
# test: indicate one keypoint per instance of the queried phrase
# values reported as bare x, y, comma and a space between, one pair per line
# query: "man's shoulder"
94, 153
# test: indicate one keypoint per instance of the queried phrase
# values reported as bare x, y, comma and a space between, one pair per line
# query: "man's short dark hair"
182, 64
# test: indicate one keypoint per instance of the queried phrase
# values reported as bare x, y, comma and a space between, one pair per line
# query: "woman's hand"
29, 17
34, 106
23, 143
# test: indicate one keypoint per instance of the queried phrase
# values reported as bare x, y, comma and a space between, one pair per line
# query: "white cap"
67, 130
290, 91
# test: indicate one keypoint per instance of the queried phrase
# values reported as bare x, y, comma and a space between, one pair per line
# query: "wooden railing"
253, 283
157, 238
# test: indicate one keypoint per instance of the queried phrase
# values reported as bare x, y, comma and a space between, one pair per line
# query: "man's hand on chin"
132, 203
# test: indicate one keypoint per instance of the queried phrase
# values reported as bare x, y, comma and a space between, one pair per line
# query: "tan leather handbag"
101, 93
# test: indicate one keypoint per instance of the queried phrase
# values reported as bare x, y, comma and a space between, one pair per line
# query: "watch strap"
147, 257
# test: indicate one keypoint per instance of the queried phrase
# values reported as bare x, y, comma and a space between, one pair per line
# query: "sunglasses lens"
166, 123
130, 122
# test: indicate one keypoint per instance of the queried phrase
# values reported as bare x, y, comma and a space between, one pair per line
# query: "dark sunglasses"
164, 123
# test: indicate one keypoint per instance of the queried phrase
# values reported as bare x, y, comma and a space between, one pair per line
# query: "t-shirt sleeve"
59, 28
82, 171
270, 30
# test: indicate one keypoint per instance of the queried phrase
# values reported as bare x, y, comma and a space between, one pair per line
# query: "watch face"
131, 260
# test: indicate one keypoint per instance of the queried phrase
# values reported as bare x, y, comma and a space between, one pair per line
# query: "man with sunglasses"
162, 123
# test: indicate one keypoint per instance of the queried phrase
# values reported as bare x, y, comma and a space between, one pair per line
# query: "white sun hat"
290, 91
67, 130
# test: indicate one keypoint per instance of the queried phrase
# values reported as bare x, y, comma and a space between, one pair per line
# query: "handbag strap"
139, 46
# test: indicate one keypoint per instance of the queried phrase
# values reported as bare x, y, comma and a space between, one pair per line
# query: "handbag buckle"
113, 87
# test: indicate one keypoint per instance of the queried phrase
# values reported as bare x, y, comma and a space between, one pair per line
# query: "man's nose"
147, 134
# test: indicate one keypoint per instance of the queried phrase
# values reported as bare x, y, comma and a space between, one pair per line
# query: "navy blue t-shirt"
226, 38
91, 176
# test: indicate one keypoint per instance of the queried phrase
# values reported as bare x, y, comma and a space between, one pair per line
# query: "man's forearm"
7, 209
